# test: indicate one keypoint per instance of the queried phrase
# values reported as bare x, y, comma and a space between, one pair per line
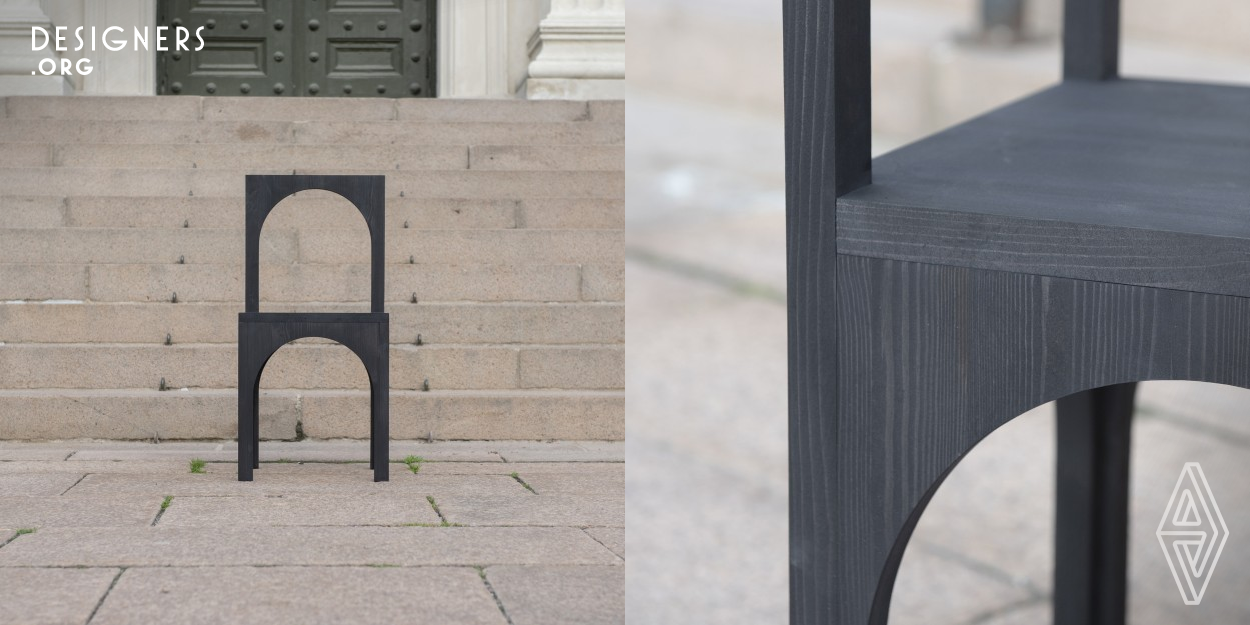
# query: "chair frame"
261, 334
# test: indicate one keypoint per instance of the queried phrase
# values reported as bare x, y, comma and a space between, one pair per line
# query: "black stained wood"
1091, 39
366, 193
1090, 236
1135, 182
1092, 505
263, 333
828, 152
931, 360
366, 334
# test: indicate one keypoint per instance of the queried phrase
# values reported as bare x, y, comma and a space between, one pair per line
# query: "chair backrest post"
828, 98
1091, 39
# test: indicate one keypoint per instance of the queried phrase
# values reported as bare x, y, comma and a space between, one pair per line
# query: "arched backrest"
366, 193
828, 87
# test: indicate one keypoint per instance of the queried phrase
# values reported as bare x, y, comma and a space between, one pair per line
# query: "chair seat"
1130, 181
311, 317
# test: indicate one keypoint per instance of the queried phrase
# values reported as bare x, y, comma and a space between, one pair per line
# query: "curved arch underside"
929, 360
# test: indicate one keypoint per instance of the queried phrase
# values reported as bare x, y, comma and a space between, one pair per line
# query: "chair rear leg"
1091, 511
379, 436
247, 420
256, 426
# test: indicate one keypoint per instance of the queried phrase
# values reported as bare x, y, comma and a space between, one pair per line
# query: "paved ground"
706, 408
499, 533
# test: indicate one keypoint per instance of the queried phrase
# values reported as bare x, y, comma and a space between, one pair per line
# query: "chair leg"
379, 437
1091, 511
247, 420
256, 425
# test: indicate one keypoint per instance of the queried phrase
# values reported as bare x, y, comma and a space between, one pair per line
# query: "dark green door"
380, 48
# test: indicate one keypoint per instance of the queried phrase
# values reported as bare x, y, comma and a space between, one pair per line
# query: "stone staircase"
121, 265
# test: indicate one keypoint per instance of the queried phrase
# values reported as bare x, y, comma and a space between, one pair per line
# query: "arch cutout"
880, 608
335, 231
360, 358
366, 193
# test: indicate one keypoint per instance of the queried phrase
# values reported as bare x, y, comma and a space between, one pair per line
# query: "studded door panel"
355, 48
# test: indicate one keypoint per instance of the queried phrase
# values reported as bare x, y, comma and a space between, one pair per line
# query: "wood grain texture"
1123, 255
933, 358
828, 152
1163, 156
1132, 182
1091, 39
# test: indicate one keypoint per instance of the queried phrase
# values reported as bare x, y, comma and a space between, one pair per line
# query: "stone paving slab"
310, 546
563, 451
1220, 408
344, 469
303, 595
37, 483
51, 596
536, 510
34, 453
309, 482
161, 467
965, 515
529, 468
1160, 450
707, 444
564, 595
930, 589
39, 512
318, 450
573, 483
1037, 613
611, 537
375, 509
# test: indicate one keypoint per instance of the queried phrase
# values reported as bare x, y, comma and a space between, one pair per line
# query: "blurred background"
706, 368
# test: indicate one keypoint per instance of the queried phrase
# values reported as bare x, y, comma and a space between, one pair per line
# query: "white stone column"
579, 51
472, 52
18, 62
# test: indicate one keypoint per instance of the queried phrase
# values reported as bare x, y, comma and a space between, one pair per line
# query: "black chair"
1063, 247
366, 334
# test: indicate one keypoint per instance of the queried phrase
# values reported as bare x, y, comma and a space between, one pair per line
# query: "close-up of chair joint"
1060, 248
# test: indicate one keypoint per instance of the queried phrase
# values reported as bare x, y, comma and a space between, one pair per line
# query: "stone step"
238, 157
191, 108
213, 414
311, 366
465, 184
193, 246
59, 131
313, 208
437, 323
197, 283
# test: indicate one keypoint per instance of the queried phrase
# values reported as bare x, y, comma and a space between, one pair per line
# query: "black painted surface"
263, 333
1159, 156
934, 358
1093, 235
1092, 503
1091, 39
